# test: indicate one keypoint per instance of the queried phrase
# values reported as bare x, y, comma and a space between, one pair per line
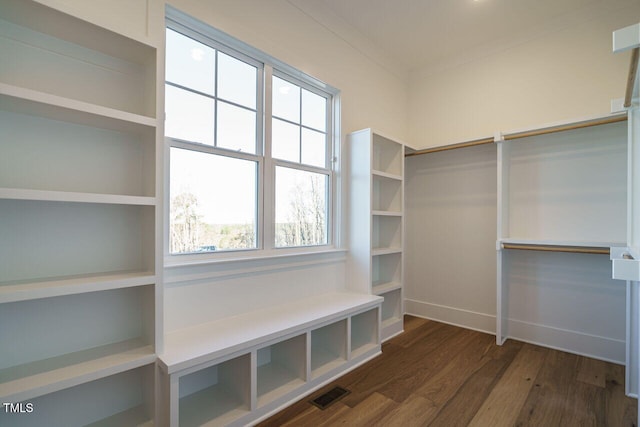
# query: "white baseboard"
597, 347
451, 315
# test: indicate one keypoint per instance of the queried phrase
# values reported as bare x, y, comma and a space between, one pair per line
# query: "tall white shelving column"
376, 223
80, 210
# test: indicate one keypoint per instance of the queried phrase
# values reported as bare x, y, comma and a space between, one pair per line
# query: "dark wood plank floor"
440, 375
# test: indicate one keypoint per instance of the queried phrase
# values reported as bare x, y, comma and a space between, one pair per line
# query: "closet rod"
633, 70
488, 140
570, 126
547, 248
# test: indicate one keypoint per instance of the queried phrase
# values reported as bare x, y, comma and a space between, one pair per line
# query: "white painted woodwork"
240, 369
376, 222
79, 206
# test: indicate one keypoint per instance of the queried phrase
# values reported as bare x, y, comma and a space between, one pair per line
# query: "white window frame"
267, 67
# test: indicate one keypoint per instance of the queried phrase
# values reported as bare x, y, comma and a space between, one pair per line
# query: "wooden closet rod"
548, 248
633, 70
570, 126
488, 140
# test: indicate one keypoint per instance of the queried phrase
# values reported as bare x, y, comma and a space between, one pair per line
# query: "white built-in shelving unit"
562, 200
376, 222
626, 260
79, 206
238, 370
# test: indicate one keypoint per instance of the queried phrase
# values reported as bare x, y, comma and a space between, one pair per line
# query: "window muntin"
299, 124
230, 123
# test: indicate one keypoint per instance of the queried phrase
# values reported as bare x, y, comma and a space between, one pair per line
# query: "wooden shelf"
24, 382
46, 288
74, 197
559, 246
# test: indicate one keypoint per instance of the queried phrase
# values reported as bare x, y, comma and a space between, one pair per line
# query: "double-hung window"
251, 147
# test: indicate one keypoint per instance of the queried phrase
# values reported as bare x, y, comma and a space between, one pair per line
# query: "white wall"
564, 71
450, 268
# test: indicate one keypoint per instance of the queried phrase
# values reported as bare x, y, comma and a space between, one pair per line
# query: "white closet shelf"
32, 102
192, 346
74, 197
380, 288
133, 417
61, 25
198, 407
385, 251
57, 286
386, 175
386, 213
35, 379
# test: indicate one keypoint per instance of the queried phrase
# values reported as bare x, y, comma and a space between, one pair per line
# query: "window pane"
190, 63
286, 100
189, 116
314, 111
236, 128
313, 148
213, 202
285, 141
237, 81
301, 208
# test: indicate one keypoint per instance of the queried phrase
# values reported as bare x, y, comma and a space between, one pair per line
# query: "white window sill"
178, 261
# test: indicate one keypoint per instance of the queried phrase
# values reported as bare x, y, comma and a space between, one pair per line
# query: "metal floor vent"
329, 397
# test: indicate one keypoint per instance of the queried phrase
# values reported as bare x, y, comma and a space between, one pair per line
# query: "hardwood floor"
440, 375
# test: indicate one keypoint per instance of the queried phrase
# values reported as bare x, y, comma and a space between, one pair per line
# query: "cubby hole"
218, 394
54, 340
55, 155
328, 348
46, 240
387, 232
364, 332
281, 368
54, 53
121, 400
386, 272
391, 307
387, 194
387, 155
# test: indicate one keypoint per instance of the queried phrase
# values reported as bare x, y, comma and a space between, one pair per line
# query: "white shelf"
275, 381
26, 290
35, 103
385, 251
74, 197
382, 287
186, 347
133, 417
25, 382
386, 175
211, 406
387, 213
